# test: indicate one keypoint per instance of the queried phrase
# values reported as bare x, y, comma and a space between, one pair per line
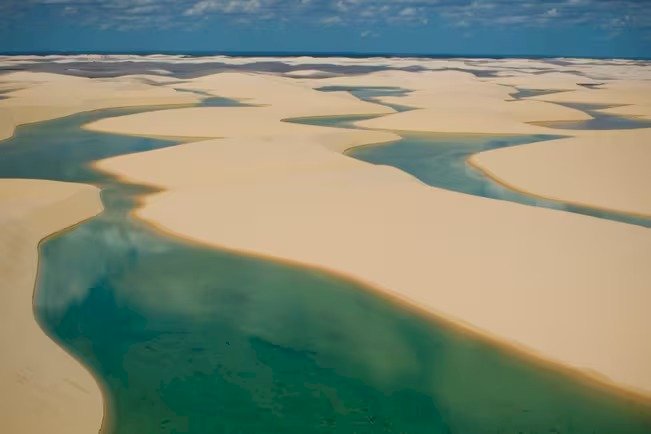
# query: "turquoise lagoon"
186, 339
440, 160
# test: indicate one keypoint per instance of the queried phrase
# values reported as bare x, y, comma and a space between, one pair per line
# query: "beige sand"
44, 390
380, 225
570, 170
204, 122
43, 96
547, 81
569, 288
641, 111
289, 97
608, 169
610, 93
478, 116
455, 102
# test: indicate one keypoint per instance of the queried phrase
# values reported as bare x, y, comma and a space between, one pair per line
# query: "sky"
598, 28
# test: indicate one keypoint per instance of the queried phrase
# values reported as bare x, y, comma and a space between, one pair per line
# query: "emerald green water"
186, 339
440, 160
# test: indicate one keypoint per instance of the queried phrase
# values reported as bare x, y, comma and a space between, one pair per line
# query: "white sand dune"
568, 288
456, 102
559, 285
640, 111
288, 97
610, 93
476, 115
608, 170
44, 96
547, 81
43, 388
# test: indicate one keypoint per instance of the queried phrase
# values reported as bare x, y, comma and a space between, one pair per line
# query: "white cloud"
458, 13
553, 12
332, 20
224, 6
368, 34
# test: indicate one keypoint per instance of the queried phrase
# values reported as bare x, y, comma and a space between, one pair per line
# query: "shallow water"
599, 121
186, 339
440, 160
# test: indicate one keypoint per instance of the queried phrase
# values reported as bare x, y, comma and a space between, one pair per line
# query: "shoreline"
295, 175
492, 176
43, 378
98, 380
470, 160
587, 377
242, 152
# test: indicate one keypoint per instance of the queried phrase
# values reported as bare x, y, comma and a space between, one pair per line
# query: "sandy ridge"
44, 389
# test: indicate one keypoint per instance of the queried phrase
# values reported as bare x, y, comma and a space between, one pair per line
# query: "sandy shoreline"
555, 285
608, 171
360, 220
592, 379
45, 389
38, 97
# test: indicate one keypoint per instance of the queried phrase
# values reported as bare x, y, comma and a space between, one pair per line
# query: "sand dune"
611, 93
560, 285
476, 115
642, 111
608, 170
455, 102
44, 389
318, 208
288, 97
547, 81
568, 288
43, 96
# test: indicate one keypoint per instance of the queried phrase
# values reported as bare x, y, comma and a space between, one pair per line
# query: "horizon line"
317, 54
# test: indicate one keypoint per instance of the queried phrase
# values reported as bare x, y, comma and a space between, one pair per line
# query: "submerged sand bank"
569, 288
44, 390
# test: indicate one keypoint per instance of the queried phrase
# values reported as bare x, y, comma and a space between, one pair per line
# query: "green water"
440, 160
192, 340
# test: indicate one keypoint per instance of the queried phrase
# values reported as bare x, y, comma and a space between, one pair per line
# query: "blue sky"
607, 28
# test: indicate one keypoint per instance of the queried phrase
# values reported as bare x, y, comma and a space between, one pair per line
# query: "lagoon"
189, 339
